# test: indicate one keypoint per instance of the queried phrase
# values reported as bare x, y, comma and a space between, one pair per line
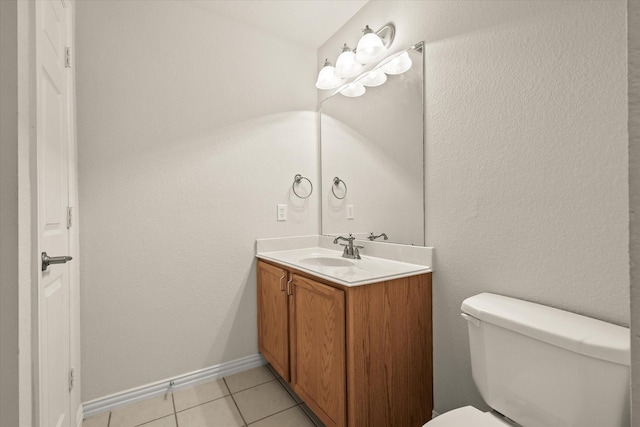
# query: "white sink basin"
327, 261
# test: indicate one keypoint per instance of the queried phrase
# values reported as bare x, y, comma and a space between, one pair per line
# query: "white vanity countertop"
316, 255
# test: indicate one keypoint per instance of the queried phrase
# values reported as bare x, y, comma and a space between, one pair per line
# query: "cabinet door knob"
289, 286
281, 283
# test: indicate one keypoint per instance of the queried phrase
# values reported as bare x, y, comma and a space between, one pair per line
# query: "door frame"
28, 236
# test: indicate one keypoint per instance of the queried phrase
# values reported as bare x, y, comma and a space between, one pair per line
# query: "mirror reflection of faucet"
372, 237
350, 251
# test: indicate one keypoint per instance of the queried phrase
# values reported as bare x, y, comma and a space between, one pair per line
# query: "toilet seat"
466, 416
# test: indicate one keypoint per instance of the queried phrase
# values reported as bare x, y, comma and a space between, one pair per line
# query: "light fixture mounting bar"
387, 33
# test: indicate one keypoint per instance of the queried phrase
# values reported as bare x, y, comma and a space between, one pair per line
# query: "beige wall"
633, 25
191, 128
17, 170
526, 158
9, 214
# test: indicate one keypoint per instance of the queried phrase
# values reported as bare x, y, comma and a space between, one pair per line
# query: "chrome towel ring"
336, 183
297, 180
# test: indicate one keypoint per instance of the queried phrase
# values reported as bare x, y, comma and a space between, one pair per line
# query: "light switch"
349, 211
282, 212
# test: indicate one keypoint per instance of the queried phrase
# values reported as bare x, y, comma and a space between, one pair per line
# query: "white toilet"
543, 367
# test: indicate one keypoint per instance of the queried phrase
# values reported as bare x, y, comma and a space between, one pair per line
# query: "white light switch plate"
282, 212
349, 211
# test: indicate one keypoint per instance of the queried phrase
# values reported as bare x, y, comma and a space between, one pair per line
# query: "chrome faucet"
350, 251
372, 237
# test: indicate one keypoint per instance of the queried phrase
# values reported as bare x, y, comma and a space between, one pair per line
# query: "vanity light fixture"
327, 78
398, 65
346, 65
354, 90
370, 48
373, 78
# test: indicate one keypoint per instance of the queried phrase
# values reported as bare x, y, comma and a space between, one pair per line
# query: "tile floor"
256, 398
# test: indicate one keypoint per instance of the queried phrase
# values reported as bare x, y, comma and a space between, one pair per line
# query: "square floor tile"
263, 400
100, 420
142, 412
250, 378
219, 413
197, 395
169, 421
293, 417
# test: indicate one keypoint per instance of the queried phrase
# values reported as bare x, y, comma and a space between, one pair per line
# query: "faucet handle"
373, 237
356, 251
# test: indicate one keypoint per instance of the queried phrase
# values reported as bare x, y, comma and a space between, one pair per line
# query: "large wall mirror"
372, 154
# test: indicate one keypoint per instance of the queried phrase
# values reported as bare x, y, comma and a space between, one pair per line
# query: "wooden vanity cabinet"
317, 348
273, 317
358, 356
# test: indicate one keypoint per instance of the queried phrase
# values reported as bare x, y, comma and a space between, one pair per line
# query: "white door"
53, 138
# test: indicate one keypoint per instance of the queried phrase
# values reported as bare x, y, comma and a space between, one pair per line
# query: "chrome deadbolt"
46, 260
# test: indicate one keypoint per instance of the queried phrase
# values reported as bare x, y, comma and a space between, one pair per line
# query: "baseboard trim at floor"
160, 388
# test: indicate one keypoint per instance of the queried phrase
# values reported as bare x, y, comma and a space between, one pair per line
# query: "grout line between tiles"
291, 393
306, 415
253, 386
244, 422
273, 371
152, 420
314, 418
201, 403
275, 413
279, 380
175, 413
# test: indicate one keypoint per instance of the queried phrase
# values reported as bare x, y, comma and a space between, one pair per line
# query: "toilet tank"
545, 367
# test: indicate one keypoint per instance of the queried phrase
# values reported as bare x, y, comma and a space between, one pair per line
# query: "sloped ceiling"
309, 22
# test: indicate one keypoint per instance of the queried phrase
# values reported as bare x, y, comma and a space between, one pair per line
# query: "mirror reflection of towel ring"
336, 183
297, 180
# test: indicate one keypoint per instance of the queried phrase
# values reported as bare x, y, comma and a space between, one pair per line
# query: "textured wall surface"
526, 154
633, 17
191, 128
9, 214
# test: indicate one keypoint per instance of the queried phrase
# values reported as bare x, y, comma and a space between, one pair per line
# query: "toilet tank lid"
571, 331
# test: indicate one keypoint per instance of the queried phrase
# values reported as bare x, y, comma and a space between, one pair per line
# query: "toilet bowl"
468, 416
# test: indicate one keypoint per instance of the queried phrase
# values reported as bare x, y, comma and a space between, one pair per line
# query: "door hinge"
69, 217
72, 378
67, 57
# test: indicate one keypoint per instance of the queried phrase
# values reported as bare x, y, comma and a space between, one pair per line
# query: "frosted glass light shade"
327, 78
374, 78
346, 65
354, 90
398, 65
370, 48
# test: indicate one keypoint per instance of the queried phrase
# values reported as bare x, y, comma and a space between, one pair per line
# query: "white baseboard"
160, 388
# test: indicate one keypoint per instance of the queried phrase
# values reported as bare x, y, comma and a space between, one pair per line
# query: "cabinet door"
318, 360
273, 317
